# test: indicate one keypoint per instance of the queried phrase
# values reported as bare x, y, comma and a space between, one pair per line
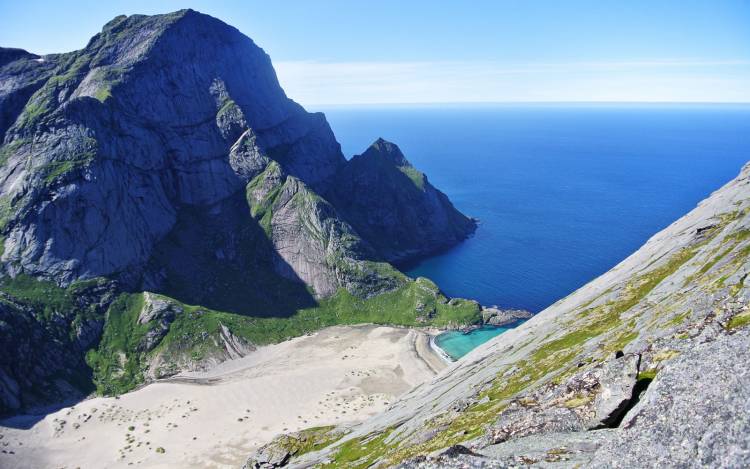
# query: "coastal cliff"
394, 206
164, 164
643, 366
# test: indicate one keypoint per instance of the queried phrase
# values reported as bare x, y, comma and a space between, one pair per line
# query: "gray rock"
278, 452
157, 309
616, 384
21, 74
130, 176
550, 450
160, 313
519, 421
268, 457
500, 317
696, 413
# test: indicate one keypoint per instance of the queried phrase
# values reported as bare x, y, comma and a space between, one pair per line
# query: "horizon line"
506, 103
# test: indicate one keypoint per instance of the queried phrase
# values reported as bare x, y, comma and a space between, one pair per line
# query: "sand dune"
214, 419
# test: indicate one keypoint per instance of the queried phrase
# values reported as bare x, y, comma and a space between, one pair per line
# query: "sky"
349, 52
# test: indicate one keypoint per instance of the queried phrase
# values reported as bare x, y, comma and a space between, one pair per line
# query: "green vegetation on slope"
10, 148
120, 360
262, 210
360, 453
227, 106
47, 299
115, 370
740, 320
309, 440
416, 176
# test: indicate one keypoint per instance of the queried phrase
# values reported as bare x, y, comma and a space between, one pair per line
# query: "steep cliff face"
154, 114
21, 74
44, 333
311, 241
394, 206
165, 158
646, 365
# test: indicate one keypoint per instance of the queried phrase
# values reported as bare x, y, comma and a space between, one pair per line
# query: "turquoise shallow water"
457, 344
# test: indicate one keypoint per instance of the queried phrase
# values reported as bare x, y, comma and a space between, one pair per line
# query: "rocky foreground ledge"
646, 366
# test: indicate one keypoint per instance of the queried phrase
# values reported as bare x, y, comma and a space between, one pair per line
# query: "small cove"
456, 344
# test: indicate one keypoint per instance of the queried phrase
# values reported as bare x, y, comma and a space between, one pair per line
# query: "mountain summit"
395, 207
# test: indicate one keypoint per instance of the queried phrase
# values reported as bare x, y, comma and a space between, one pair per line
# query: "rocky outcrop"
695, 414
158, 313
311, 242
278, 452
179, 357
642, 366
393, 205
494, 316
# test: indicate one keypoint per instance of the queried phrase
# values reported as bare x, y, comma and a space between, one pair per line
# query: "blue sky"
347, 52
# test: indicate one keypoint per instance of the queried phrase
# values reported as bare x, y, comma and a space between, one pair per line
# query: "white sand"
339, 375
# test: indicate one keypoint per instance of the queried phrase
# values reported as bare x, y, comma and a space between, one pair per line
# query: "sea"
563, 192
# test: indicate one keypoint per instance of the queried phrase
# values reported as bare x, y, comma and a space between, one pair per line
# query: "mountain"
164, 206
394, 206
644, 366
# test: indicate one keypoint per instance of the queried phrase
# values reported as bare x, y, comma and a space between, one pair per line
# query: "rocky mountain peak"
383, 149
156, 113
394, 206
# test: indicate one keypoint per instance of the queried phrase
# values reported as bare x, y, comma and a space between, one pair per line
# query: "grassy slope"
118, 363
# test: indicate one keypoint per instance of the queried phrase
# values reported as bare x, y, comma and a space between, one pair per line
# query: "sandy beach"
215, 419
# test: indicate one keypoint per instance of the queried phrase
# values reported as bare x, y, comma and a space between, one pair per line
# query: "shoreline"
440, 352
427, 352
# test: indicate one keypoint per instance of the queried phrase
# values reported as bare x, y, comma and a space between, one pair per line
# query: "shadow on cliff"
219, 257
28, 420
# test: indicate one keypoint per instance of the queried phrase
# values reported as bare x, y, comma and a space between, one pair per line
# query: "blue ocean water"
457, 344
563, 192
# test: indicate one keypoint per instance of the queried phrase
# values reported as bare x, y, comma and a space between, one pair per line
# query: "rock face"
503, 317
42, 345
394, 206
165, 157
159, 314
311, 242
111, 141
21, 74
644, 366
